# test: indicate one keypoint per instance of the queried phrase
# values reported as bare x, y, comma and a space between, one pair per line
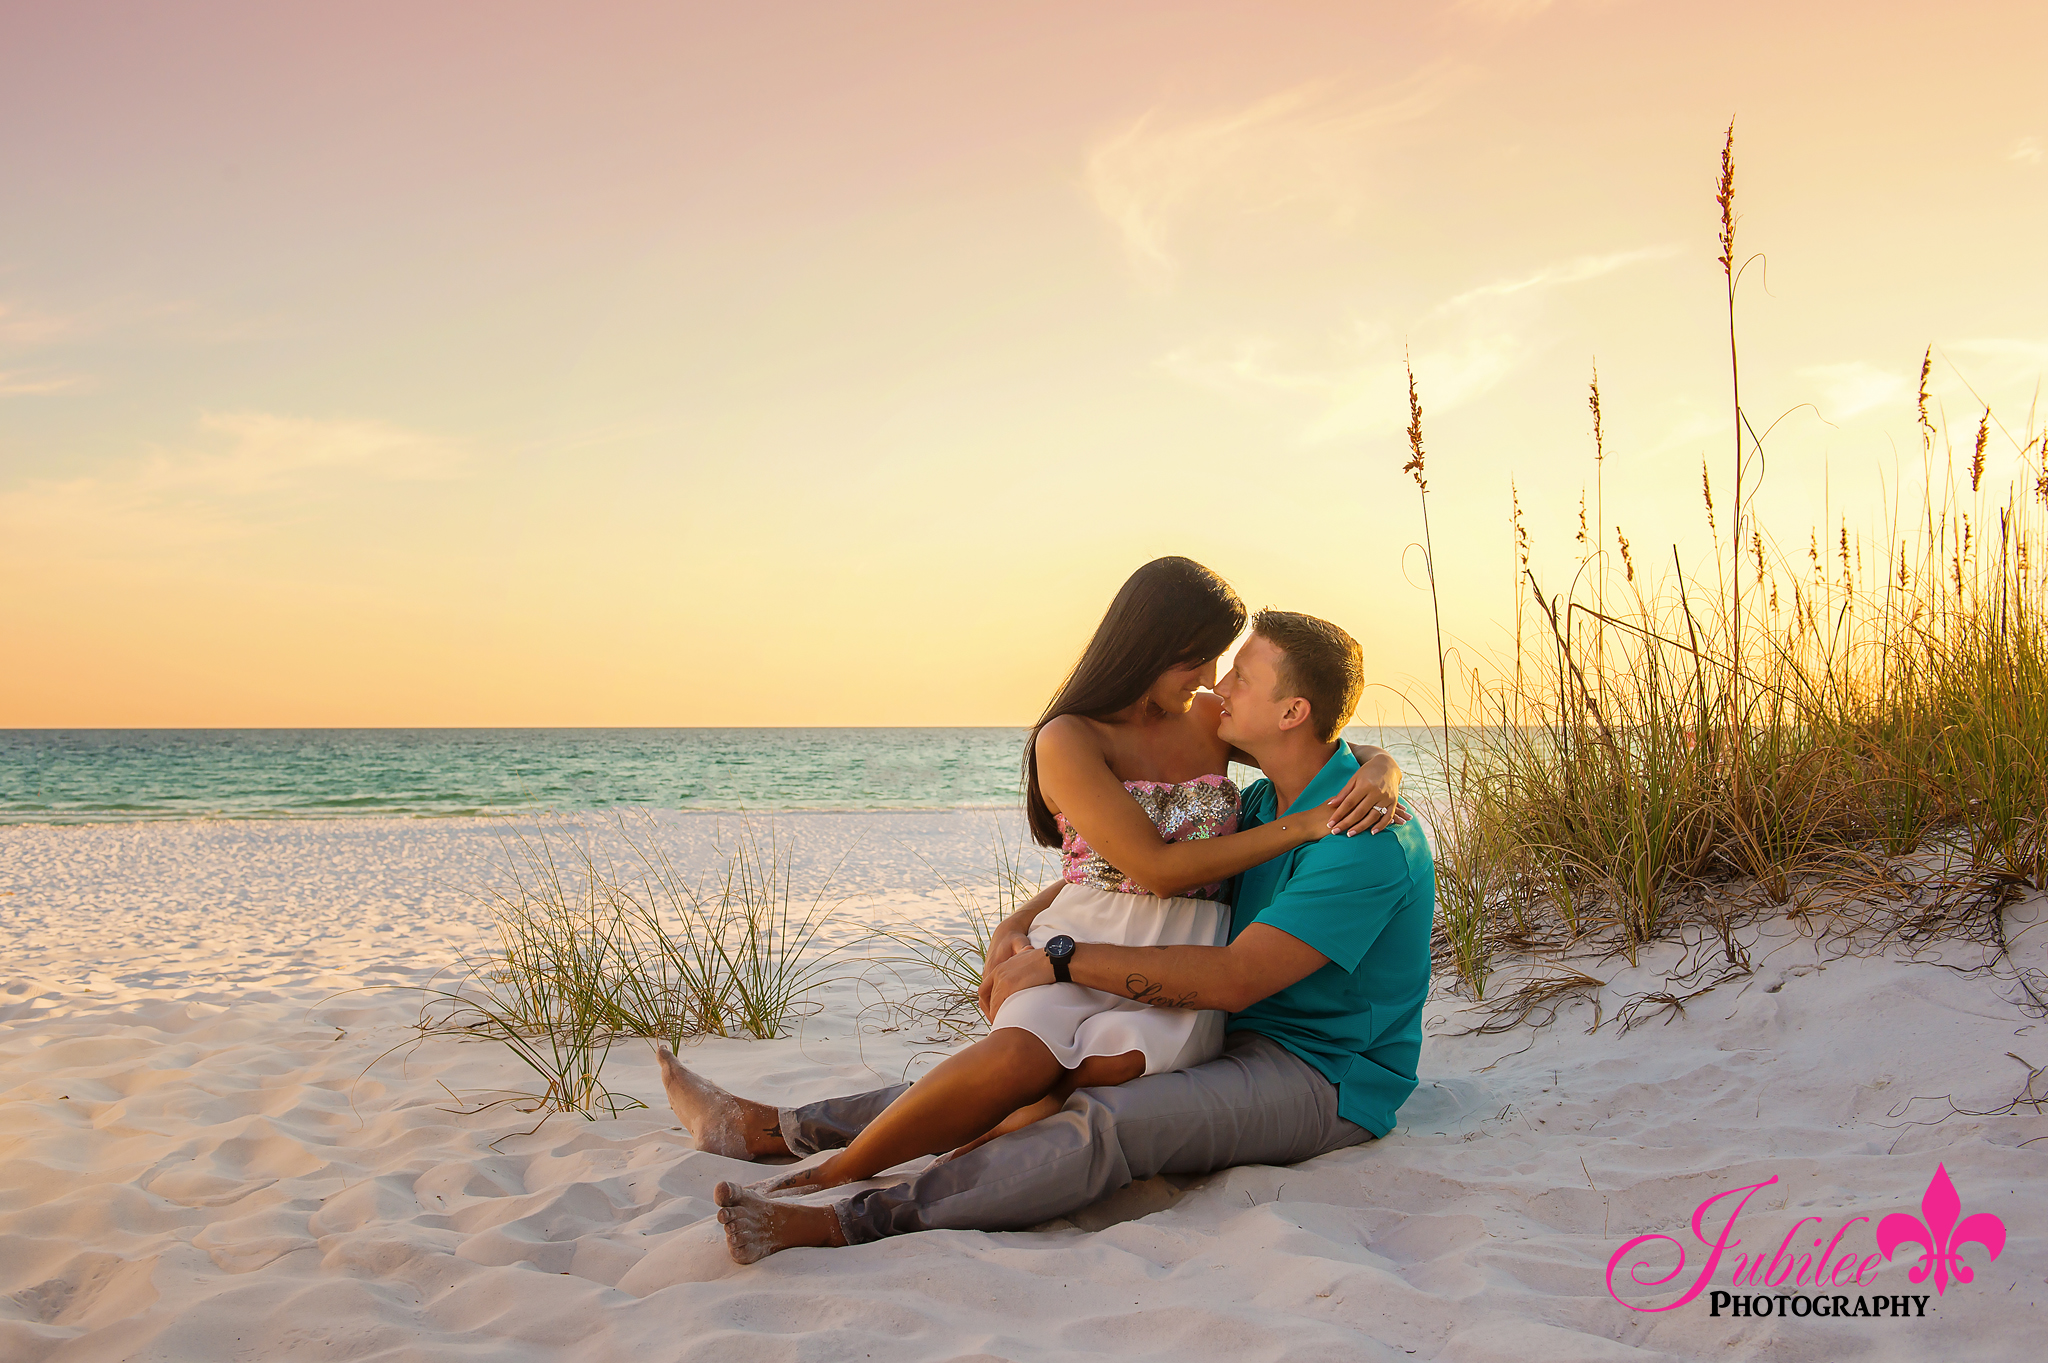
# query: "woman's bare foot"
719, 1122
797, 1182
1016, 1121
756, 1228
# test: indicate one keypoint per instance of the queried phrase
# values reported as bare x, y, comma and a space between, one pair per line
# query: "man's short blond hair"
1318, 662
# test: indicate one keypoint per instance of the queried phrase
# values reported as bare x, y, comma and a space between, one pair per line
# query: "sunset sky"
489, 364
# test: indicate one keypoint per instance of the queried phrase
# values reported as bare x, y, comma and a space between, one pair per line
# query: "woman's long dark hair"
1172, 612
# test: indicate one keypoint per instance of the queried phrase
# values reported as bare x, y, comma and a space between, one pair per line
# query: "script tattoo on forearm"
1150, 991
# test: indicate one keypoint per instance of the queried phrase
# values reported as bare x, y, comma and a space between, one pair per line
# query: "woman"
1124, 773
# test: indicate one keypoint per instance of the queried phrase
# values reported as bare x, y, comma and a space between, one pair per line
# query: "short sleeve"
1341, 896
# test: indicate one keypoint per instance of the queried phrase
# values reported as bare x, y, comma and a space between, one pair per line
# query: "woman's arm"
1011, 936
1076, 780
1017, 927
1366, 804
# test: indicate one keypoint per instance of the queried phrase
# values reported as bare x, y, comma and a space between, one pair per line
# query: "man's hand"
1367, 804
1001, 948
1026, 969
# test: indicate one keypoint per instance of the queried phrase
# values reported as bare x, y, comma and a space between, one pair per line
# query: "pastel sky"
780, 363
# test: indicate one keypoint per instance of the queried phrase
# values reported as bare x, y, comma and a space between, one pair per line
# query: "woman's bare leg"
1104, 1072
962, 1098
1016, 1121
1096, 1072
719, 1122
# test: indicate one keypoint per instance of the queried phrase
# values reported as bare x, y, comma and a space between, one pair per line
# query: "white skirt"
1076, 1022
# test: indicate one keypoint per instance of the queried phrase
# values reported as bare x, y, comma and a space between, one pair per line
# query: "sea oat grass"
953, 957
1625, 769
590, 950
1804, 737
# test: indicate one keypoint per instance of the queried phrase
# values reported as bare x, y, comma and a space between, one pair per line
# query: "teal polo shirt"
1368, 903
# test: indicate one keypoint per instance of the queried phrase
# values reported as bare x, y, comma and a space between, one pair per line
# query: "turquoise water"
98, 775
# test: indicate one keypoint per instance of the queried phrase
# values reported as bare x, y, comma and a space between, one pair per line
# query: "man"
1324, 976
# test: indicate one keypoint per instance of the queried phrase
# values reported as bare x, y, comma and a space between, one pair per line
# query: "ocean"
112, 775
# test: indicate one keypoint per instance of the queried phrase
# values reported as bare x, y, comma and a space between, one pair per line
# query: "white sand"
198, 1159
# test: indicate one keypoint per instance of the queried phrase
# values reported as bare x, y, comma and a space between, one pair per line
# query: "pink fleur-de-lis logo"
1941, 1234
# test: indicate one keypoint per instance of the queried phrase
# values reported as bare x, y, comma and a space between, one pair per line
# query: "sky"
823, 364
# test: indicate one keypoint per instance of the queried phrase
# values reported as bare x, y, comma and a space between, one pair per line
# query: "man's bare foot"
756, 1228
719, 1122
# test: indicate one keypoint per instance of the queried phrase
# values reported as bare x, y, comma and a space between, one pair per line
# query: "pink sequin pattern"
1205, 807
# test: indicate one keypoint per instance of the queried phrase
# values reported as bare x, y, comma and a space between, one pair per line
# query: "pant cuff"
848, 1227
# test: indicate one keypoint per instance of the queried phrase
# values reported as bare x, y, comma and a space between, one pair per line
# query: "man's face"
1251, 711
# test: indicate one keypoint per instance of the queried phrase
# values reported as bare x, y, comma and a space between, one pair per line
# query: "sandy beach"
203, 1157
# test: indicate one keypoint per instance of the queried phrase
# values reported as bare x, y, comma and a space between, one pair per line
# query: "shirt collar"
1329, 781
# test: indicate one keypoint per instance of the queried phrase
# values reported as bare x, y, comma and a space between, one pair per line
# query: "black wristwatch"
1060, 951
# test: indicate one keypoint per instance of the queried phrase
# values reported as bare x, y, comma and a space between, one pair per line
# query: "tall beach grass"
593, 947
1840, 717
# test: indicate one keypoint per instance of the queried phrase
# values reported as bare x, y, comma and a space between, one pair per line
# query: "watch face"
1060, 946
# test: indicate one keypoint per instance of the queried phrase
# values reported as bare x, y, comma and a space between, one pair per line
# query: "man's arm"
1262, 961
1334, 906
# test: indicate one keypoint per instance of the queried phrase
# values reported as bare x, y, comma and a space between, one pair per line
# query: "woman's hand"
1001, 947
1367, 803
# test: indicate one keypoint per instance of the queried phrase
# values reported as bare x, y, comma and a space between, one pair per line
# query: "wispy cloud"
1360, 386
1854, 387
1685, 432
1301, 150
23, 332
1520, 11
242, 453
1357, 380
21, 383
1575, 271
240, 468
1506, 11
2013, 348
20, 327
1457, 371
2027, 151
1996, 367
2004, 372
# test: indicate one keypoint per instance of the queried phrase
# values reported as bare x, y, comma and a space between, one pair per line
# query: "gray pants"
1257, 1103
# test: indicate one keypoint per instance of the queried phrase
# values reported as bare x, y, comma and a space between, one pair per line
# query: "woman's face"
1174, 692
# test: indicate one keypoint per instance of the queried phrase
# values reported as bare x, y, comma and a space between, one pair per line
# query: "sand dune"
199, 1160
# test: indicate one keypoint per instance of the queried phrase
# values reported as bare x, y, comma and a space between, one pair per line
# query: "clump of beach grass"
951, 957
591, 950
1665, 743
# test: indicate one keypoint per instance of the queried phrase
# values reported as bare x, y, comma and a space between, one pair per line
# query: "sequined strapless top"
1205, 807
